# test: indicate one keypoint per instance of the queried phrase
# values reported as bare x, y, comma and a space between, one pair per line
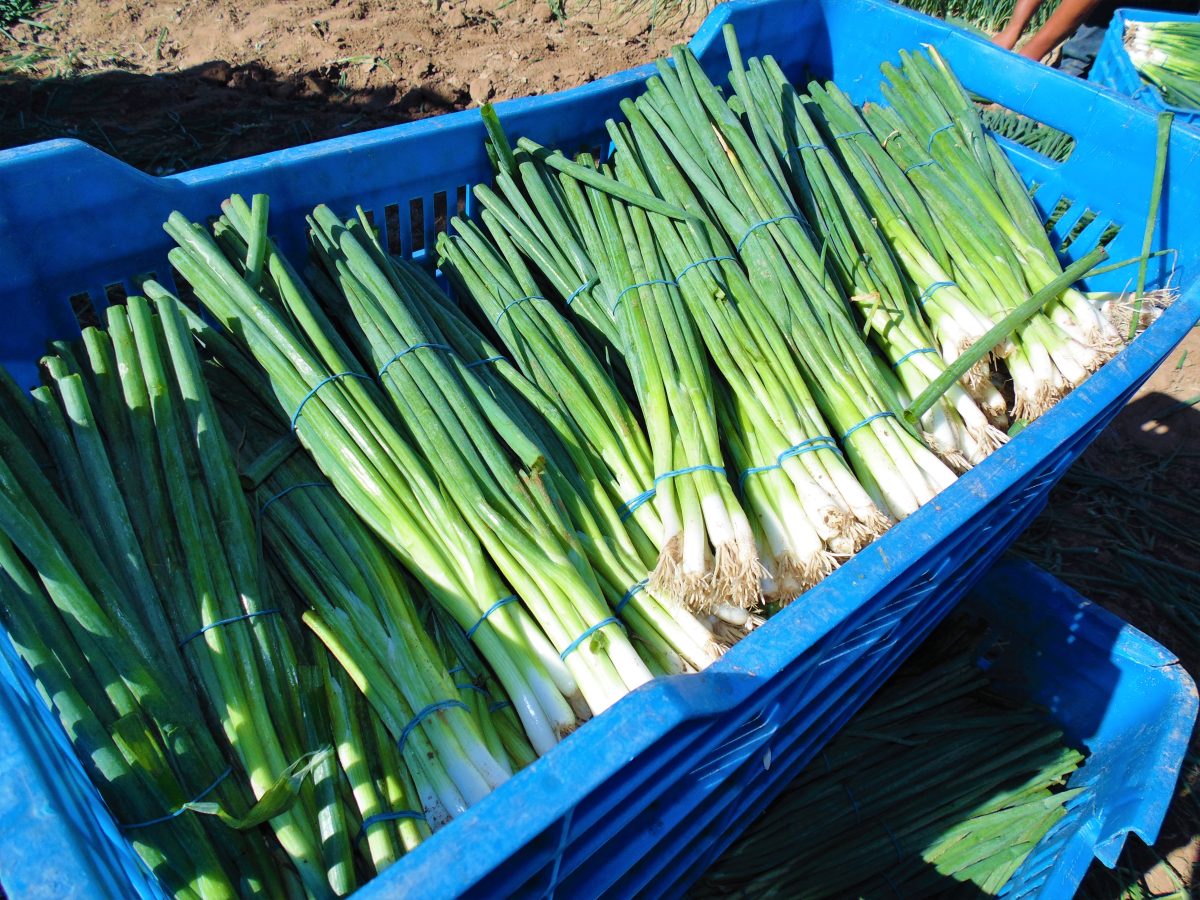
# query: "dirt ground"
169, 86
175, 85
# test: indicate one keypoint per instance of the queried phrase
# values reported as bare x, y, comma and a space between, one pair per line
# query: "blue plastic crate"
1114, 69
1114, 692
633, 800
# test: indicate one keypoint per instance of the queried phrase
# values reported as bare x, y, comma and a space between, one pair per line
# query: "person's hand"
1008, 37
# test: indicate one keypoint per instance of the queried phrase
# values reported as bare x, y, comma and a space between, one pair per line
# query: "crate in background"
1114, 69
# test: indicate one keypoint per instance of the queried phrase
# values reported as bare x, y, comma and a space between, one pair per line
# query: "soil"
178, 85
173, 85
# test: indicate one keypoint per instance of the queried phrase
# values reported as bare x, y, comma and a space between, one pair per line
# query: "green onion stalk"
344, 424
134, 443
799, 491
476, 682
750, 201
225, 577
979, 195
390, 821
1050, 142
1073, 312
491, 469
354, 596
786, 127
1167, 55
572, 226
986, 267
592, 440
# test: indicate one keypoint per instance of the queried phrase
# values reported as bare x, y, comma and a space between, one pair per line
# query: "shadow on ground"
206, 114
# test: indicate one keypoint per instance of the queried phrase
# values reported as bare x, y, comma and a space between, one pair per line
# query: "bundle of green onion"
936, 788
154, 632
357, 601
1167, 55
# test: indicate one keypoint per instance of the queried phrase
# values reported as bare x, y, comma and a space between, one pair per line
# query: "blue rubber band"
633, 287
896, 364
701, 262
579, 290
484, 362
892, 885
895, 843
229, 621
458, 669
169, 816
757, 225
820, 442
929, 146
496, 707
629, 595
846, 134
321, 384
631, 506
807, 147
427, 711
854, 801
387, 817
408, 350
932, 289
262, 510
920, 165
503, 601
574, 645
471, 687
867, 421
519, 300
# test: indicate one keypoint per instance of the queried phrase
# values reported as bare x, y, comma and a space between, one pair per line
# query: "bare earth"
239, 78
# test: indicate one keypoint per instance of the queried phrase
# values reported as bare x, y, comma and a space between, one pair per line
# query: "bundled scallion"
343, 419
752, 203
1167, 55
597, 229
186, 630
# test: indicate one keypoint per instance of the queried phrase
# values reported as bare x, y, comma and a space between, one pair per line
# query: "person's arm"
1058, 27
1022, 13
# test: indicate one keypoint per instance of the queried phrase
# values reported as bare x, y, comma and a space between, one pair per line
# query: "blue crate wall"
76, 221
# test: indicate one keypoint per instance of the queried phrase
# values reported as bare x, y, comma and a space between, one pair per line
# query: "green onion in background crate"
937, 787
1167, 55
